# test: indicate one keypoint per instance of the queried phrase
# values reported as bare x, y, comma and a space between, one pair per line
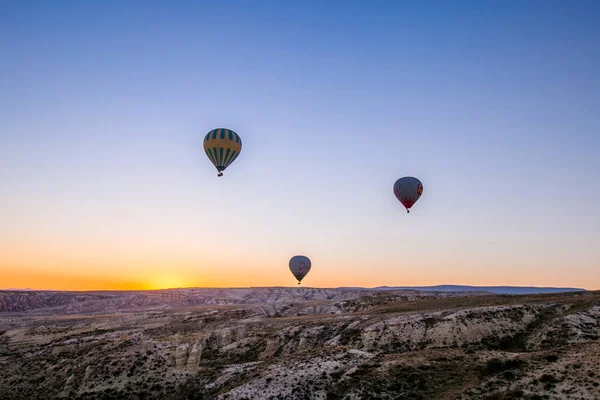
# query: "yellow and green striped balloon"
222, 146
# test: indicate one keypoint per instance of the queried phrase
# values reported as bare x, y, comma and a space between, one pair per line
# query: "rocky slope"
306, 345
52, 303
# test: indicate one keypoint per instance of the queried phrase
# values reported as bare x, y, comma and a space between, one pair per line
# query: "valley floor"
298, 344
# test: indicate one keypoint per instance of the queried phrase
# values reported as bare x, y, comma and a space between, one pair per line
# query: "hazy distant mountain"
490, 289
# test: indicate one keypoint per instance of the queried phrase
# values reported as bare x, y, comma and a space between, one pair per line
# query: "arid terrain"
298, 343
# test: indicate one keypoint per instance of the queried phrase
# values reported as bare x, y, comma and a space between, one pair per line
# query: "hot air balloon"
299, 265
408, 190
222, 146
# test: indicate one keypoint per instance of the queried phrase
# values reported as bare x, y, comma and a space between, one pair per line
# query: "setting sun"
167, 281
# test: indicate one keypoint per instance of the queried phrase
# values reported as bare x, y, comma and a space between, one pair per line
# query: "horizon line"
289, 287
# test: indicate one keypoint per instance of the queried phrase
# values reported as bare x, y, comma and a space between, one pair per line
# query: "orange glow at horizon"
79, 265
223, 276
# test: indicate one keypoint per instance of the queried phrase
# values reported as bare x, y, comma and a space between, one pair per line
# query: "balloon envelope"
408, 190
299, 265
222, 146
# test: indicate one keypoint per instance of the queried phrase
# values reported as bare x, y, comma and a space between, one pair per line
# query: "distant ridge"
490, 289
437, 288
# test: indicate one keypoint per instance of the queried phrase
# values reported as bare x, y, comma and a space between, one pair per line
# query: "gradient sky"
494, 105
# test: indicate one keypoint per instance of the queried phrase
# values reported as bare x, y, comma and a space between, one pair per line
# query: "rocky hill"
51, 302
283, 343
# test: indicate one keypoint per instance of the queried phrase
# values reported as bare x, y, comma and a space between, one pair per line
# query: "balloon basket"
220, 174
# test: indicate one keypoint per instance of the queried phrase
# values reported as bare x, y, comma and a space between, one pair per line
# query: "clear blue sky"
494, 105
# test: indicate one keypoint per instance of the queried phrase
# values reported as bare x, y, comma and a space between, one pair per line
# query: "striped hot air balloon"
222, 146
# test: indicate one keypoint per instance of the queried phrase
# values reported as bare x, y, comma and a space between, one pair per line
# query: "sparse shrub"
551, 358
508, 375
537, 397
350, 336
496, 365
336, 375
514, 394
547, 378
